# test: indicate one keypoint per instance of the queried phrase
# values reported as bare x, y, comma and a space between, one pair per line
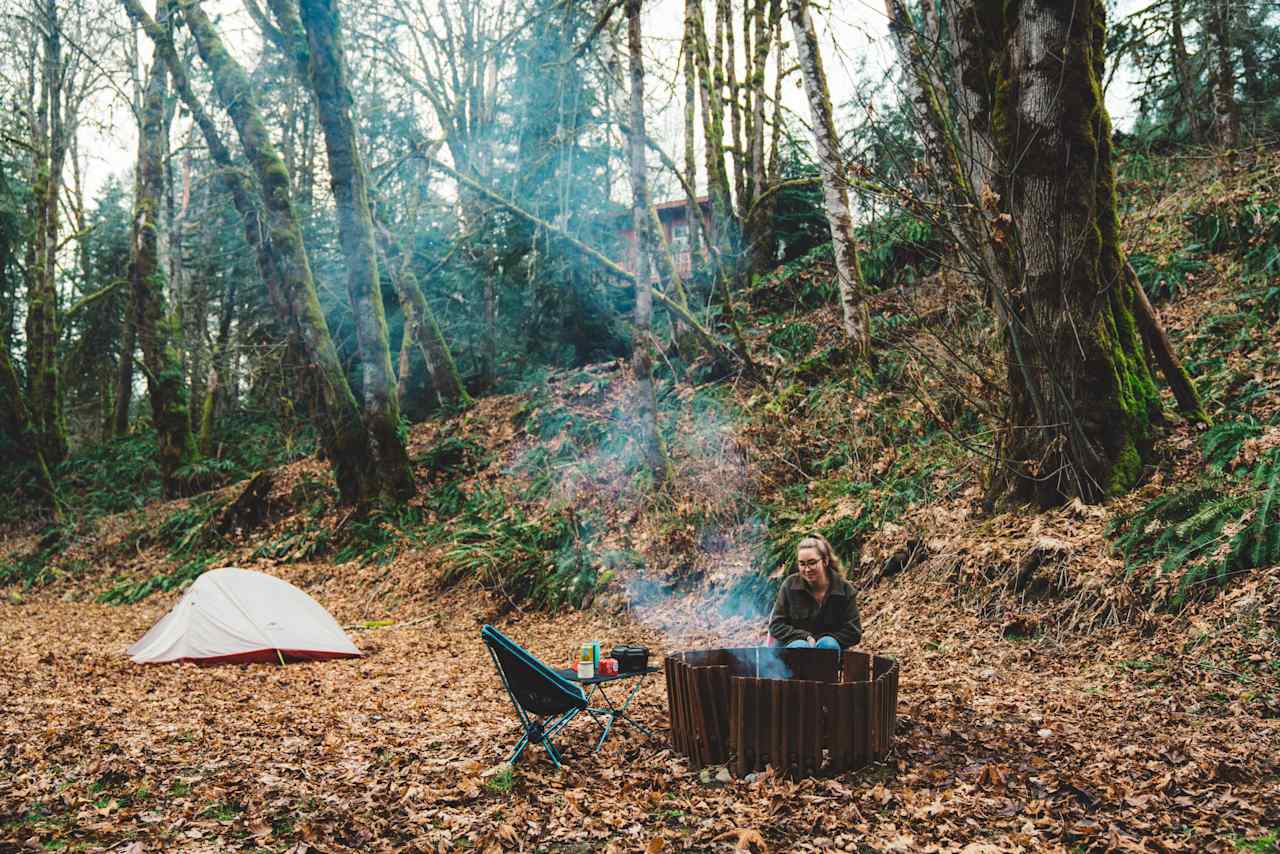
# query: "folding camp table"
611, 712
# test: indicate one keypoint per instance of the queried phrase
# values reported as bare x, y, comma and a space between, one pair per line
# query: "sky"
853, 35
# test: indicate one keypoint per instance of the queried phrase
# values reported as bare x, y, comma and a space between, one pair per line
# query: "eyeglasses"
809, 564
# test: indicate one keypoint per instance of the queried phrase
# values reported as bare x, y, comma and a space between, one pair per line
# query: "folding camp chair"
545, 701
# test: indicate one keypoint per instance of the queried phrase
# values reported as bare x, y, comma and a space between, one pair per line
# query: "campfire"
805, 712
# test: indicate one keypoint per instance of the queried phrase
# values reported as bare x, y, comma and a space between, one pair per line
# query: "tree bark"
334, 104
1082, 398
346, 442
1218, 23
422, 328
646, 406
44, 385
857, 323
157, 327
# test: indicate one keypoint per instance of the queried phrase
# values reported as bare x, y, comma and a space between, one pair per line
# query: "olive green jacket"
796, 614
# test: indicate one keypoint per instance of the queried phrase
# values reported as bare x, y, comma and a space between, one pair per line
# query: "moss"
1126, 470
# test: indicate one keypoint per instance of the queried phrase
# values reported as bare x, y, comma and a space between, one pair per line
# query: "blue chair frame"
545, 701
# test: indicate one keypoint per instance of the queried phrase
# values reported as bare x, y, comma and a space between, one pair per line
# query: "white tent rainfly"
237, 615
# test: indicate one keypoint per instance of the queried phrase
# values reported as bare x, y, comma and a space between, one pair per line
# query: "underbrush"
1222, 524
121, 474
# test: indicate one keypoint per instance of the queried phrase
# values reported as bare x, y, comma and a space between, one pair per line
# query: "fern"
1221, 526
1264, 530
1222, 442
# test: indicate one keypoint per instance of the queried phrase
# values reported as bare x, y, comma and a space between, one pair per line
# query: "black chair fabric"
536, 687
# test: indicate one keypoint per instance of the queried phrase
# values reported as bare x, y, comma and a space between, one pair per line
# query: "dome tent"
239, 615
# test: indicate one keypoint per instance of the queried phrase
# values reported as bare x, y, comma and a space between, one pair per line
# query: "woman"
815, 605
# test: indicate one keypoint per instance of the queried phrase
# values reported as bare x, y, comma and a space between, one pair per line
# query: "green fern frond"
1219, 527
1222, 442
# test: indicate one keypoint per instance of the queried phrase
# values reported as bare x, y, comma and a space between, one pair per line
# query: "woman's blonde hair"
819, 544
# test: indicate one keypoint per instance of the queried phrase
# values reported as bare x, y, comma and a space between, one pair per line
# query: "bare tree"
646, 408
857, 323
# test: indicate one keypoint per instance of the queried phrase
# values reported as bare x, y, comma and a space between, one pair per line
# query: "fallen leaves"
744, 839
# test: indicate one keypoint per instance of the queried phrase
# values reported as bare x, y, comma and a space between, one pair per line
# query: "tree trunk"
1185, 103
422, 328
690, 154
157, 328
346, 442
646, 407
857, 324
44, 387
17, 425
218, 367
1218, 23
758, 234
355, 228
1082, 398
711, 83
124, 369
727, 67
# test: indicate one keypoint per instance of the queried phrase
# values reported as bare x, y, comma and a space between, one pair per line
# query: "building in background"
676, 222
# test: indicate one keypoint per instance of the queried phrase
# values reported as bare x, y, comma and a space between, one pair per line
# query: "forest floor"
1117, 741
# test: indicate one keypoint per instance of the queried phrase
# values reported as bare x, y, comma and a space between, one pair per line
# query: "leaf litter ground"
1112, 742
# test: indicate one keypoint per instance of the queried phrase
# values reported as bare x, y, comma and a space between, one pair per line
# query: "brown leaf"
744, 839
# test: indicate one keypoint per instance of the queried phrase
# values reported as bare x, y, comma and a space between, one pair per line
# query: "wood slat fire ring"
806, 712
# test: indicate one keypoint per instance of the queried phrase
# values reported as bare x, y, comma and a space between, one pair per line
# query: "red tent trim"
264, 656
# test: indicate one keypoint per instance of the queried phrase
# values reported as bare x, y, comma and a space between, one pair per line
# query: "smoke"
761, 662
691, 572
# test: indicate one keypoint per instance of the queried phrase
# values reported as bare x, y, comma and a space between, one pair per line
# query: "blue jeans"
824, 642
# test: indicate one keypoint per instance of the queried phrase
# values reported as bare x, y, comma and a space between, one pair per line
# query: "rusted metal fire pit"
804, 711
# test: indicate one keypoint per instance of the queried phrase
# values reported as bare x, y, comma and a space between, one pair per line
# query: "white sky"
851, 32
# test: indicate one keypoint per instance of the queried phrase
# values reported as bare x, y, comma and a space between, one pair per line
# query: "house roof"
668, 206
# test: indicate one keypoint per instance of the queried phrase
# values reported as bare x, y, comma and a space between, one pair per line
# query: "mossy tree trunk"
711, 84
857, 323
1082, 399
1020, 144
44, 385
1219, 21
645, 407
18, 430
758, 235
157, 327
334, 105
422, 328
238, 186
124, 370
690, 137
346, 442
